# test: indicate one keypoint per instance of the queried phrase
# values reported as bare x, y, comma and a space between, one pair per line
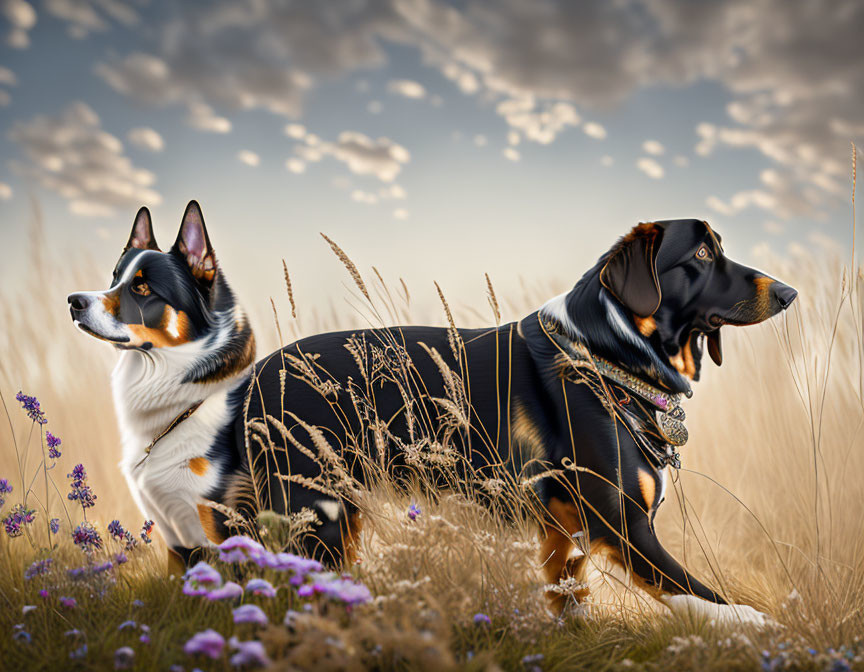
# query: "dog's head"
157, 299
676, 282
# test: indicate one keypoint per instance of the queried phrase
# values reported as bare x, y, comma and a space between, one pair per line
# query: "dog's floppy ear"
142, 237
714, 348
193, 245
630, 272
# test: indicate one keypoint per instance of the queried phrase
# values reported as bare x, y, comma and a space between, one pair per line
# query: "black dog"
630, 333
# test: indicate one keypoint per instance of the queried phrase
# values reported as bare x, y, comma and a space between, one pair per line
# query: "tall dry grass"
767, 506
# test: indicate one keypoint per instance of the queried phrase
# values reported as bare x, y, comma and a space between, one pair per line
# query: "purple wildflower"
43, 593
200, 579
144, 638
146, 529
31, 405
208, 643
86, 537
260, 587
5, 489
80, 652
334, 587
19, 515
127, 624
250, 613
115, 529
124, 657
248, 653
81, 492
68, 602
227, 592
288, 562
120, 558
38, 568
137, 603
53, 443
482, 619
55, 525
102, 567
240, 549
413, 511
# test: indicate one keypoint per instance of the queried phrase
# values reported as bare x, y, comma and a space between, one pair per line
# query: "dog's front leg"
663, 577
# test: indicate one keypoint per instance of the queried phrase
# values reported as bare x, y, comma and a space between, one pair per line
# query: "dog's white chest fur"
171, 481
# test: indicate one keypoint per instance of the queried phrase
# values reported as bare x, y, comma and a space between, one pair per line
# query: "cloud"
653, 147
70, 154
146, 138
365, 197
82, 17
296, 131
594, 130
400, 214
21, 18
407, 88
5, 191
538, 121
650, 167
511, 154
295, 165
607, 161
681, 161
253, 54
248, 157
480, 140
381, 158
7, 78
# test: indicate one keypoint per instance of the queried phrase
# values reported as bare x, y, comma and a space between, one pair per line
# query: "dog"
580, 400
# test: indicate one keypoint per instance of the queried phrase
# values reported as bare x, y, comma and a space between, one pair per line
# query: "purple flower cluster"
53, 443
115, 529
38, 568
18, 516
482, 619
249, 653
86, 537
335, 587
81, 492
241, 549
250, 613
55, 525
201, 579
5, 489
31, 405
260, 587
208, 643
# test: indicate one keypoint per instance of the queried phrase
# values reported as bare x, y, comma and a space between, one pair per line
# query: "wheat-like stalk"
290, 290
493, 300
276, 319
452, 333
352, 268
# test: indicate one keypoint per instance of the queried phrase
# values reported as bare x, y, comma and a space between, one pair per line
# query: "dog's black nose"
784, 294
78, 301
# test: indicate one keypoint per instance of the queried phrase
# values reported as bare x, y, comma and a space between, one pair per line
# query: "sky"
434, 139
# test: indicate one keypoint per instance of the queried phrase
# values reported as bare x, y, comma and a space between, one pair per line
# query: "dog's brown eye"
141, 288
703, 253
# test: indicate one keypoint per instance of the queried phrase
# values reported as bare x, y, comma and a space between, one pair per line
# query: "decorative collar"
171, 426
671, 415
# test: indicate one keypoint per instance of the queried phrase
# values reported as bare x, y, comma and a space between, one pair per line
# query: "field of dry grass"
767, 505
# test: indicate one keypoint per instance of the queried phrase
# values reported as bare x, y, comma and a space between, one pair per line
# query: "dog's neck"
151, 388
590, 315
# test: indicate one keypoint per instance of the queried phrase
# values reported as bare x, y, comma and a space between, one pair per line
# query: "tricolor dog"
588, 389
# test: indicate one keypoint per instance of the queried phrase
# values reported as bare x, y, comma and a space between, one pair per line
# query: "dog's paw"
723, 614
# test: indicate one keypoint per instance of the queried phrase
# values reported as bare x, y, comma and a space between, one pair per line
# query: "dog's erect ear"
193, 245
630, 272
714, 348
142, 237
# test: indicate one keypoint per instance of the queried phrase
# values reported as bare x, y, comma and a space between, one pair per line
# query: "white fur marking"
172, 328
725, 614
556, 308
330, 508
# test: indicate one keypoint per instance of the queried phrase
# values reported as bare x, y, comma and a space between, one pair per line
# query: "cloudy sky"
434, 139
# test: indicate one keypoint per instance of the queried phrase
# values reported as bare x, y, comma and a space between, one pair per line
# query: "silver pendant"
672, 426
